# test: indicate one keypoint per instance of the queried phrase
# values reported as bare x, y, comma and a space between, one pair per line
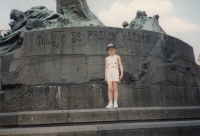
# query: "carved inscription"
42, 39
55, 38
135, 37
76, 36
101, 35
58, 37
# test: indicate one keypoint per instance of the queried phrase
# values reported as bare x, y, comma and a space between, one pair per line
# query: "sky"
179, 18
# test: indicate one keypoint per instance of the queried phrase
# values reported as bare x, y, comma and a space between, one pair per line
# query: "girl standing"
113, 62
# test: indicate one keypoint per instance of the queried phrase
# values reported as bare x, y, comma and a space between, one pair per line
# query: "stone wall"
76, 55
64, 69
93, 96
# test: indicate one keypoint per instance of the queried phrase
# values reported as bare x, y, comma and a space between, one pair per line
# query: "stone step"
167, 128
93, 116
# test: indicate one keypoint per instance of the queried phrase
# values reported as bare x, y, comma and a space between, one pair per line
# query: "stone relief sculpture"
168, 71
142, 22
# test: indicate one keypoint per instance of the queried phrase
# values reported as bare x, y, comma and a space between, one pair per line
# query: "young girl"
112, 74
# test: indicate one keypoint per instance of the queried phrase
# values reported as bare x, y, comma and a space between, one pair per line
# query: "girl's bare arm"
121, 67
106, 68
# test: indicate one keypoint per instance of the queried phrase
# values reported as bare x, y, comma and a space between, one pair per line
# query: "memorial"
52, 72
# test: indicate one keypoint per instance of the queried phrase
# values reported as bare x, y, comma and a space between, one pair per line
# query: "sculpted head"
15, 14
144, 13
139, 13
157, 16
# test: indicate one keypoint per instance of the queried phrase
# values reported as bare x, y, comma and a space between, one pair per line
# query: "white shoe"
115, 105
110, 105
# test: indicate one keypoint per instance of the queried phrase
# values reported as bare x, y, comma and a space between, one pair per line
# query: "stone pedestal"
57, 78
63, 68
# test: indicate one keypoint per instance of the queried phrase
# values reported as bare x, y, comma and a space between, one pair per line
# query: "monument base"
93, 96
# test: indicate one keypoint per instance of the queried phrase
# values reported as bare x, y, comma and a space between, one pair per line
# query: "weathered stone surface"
175, 96
194, 96
88, 130
2, 97
42, 117
176, 128
76, 55
87, 96
94, 95
149, 97
95, 115
31, 98
8, 119
181, 112
135, 114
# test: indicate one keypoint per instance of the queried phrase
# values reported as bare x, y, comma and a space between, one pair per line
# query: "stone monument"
52, 73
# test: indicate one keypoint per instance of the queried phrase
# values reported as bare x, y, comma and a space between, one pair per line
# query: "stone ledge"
88, 130
175, 128
98, 115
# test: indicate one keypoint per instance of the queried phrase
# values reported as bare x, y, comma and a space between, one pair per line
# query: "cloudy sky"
179, 18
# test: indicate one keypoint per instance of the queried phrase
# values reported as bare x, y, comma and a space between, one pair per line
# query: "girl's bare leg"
115, 88
110, 91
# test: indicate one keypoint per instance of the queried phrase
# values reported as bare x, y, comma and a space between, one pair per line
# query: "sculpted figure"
35, 18
78, 12
142, 22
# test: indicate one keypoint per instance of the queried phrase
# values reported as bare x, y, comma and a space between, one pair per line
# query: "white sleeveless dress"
113, 69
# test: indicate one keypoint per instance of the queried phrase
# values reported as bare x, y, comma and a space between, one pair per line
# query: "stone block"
181, 112
39, 98
43, 117
92, 115
175, 96
12, 100
128, 97
87, 130
194, 96
135, 114
87, 96
63, 95
8, 119
173, 128
31, 98
150, 97
2, 97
